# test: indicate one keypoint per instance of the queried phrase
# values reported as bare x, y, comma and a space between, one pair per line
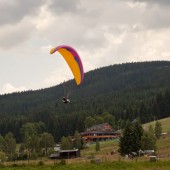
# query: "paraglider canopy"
73, 60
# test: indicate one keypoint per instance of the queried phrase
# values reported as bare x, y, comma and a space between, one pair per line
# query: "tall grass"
159, 165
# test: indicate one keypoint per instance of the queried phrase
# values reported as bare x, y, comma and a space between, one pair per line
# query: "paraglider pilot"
65, 100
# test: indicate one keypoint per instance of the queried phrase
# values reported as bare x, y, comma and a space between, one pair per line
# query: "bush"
34, 155
40, 163
2, 157
14, 165
96, 161
63, 162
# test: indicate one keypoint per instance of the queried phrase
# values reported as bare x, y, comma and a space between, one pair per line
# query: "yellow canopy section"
72, 64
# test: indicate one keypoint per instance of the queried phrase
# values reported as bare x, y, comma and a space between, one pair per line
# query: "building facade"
99, 132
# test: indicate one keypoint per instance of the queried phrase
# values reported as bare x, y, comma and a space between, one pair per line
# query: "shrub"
40, 163
63, 162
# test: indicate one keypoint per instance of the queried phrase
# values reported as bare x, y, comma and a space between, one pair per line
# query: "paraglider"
74, 62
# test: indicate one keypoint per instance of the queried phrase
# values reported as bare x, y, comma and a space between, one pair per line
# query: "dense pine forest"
125, 91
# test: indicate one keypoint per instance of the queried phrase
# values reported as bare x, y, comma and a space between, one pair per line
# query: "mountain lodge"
99, 132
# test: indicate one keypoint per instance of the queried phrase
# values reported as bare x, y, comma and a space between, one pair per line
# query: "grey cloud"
86, 23
15, 10
156, 17
12, 36
64, 6
154, 14
160, 2
158, 20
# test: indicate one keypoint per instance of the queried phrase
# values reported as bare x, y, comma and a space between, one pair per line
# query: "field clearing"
106, 146
165, 124
163, 144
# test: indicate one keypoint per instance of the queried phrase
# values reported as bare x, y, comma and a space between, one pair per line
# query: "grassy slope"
163, 144
165, 124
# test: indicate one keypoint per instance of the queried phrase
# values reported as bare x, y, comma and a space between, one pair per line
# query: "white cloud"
57, 77
9, 88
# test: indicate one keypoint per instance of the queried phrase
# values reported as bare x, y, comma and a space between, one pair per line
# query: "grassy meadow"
165, 124
114, 165
163, 144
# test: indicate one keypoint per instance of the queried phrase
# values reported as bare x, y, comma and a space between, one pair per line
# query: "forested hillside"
126, 91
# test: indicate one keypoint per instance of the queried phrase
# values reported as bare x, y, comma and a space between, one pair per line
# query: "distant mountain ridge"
101, 81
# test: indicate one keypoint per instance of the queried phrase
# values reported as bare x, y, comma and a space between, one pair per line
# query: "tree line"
35, 143
124, 91
93, 113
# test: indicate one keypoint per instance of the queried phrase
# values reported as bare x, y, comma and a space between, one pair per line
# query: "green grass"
163, 142
165, 124
105, 144
105, 147
119, 165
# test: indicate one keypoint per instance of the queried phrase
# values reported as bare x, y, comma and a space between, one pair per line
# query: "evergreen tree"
138, 132
158, 129
121, 124
130, 141
126, 140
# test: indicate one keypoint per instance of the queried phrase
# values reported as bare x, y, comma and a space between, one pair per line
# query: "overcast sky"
104, 32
